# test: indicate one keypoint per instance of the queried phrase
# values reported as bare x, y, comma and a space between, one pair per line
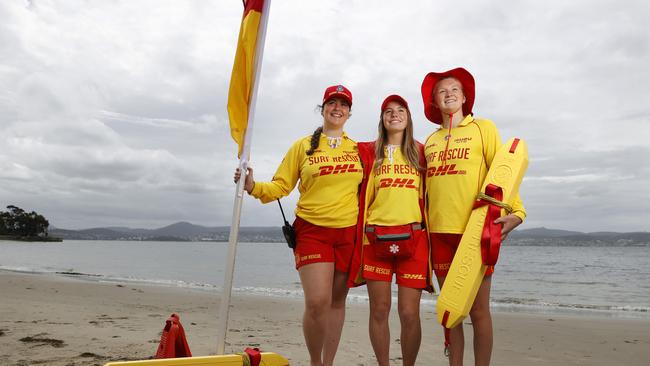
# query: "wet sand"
67, 321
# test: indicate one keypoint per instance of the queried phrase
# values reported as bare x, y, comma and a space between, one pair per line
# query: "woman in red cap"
327, 165
458, 157
391, 235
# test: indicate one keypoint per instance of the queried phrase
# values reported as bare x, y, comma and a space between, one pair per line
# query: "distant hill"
180, 231
544, 236
185, 231
542, 232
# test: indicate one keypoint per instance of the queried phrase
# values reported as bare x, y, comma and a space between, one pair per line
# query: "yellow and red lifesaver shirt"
394, 192
454, 179
403, 202
329, 182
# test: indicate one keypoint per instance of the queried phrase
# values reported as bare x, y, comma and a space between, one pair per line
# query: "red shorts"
410, 272
443, 249
317, 244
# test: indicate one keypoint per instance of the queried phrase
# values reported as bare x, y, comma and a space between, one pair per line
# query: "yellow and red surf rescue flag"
243, 72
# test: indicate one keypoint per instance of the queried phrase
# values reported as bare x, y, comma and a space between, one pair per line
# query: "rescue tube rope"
493, 201
246, 361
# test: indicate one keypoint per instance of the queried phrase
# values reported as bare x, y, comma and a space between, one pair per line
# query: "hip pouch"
393, 242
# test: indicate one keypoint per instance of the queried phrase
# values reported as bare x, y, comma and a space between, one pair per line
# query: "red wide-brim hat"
431, 79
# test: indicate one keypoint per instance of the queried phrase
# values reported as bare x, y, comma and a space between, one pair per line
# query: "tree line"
18, 222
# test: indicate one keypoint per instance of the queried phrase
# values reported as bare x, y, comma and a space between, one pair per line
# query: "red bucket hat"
339, 91
431, 79
394, 98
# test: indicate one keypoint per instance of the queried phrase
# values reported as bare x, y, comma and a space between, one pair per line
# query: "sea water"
602, 281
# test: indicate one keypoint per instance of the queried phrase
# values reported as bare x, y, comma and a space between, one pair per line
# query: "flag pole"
224, 308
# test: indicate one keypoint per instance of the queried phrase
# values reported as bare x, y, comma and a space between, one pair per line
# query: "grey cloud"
589, 190
125, 123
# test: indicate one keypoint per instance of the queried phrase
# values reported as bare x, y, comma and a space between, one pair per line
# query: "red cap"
337, 91
394, 98
466, 80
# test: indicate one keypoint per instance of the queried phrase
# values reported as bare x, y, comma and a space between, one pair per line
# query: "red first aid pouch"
393, 242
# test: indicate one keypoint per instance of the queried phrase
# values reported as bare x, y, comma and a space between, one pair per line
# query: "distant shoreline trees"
17, 222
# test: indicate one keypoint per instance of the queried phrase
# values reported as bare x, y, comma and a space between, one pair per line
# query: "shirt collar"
343, 136
468, 118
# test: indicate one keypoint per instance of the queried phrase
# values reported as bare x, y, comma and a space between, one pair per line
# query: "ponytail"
315, 138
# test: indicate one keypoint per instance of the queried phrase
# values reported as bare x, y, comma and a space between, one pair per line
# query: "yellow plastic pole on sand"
268, 359
467, 269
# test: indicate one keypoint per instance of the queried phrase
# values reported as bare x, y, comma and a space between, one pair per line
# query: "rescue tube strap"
491, 235
447, 341
447, 333
513, 147
251, 357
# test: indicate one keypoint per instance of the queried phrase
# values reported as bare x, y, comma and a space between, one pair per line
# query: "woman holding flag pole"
458, 155
326, 167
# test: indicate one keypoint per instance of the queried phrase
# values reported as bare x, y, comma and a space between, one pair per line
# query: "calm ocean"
601, 281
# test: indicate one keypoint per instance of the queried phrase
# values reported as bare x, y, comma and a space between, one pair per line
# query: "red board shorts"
318, 244
409, 272
443, 249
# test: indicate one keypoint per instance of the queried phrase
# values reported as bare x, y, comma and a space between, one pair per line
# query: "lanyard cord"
390, 149
444, 157
281, 210
444, 162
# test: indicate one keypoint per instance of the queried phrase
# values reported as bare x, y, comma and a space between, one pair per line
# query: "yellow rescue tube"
268, 359
467, 269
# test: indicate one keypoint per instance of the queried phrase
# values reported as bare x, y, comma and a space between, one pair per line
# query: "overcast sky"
113, 113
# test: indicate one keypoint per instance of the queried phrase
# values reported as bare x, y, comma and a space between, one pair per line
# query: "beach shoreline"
62, 320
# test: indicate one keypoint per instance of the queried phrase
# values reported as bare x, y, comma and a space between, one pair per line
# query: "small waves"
20, 269
571, 282
610, 282
359, 295
535, 305
269, 291
95, 277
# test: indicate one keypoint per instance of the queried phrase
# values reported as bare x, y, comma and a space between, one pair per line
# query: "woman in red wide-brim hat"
458, 157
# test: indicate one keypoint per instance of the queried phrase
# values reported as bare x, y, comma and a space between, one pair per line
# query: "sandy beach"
58, 320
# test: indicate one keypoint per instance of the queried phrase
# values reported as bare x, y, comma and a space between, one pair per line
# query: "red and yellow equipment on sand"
468, 268
268, 359
174, 351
